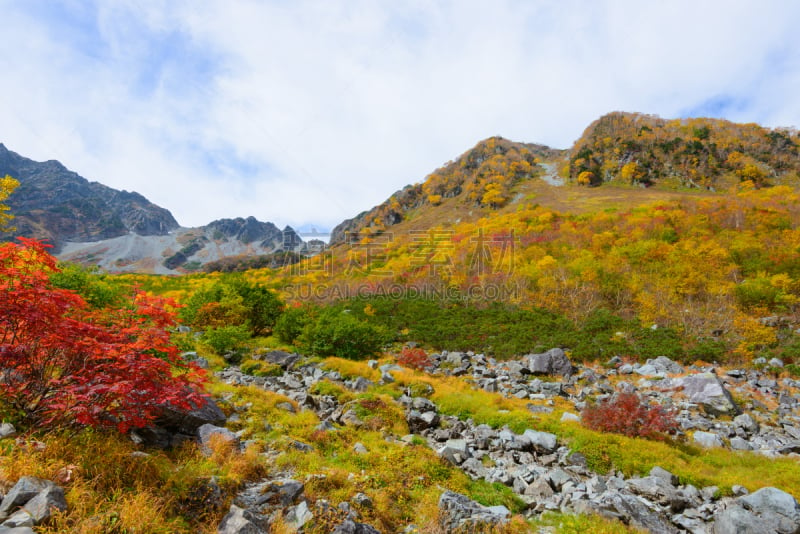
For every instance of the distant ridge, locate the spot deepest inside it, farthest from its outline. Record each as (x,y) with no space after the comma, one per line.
(122,231)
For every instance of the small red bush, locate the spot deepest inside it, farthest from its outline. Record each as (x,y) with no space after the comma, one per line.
(626,414)
(414,358)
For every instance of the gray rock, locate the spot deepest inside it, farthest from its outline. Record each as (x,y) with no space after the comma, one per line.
(665,475)
(7,430)
(460,512)
(240,521)
(746,422)
(362,500)
(766,511)
(23,491)
(278,357)
(359,448)
(297,516)
(707,439)
(20,518)
(570,417)
(455,451)
(629,509)
(552,362)
(707,390)
(16,530)
(41,507)
(740,444)
(543,442)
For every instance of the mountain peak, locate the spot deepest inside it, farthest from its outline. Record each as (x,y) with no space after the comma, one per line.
(59,205)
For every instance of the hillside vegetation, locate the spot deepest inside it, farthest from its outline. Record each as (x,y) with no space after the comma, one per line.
(400,364)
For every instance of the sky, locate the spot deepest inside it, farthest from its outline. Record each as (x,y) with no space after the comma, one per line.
(308,112)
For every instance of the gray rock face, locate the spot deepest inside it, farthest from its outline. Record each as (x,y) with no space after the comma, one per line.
(766,511)
(460,512)
(552,362)
(707,390)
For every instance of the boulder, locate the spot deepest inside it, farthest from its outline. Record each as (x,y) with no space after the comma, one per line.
(707,439)
(278,357)
(707,390)
(240,521)
(175,425)
(460,513)
(7,430)
(41,507)
(23,491)
(543,442)
(417,422)
(552,362)
(766,511)
(455,451)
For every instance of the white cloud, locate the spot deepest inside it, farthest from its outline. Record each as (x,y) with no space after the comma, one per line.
(312,111)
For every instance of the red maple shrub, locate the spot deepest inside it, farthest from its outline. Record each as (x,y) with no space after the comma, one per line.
(62,362)
(626,414)
(414,358)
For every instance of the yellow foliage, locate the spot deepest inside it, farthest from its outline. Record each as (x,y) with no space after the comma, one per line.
(7,186)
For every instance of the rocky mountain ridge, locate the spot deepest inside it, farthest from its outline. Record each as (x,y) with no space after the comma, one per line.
(59,205)
(122,231)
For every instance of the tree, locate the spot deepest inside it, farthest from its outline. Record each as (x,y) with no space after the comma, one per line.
(234,302)
(7,186)
(63,362)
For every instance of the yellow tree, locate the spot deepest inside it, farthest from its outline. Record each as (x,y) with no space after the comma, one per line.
(7,186)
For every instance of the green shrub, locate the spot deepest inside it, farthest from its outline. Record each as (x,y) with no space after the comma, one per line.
(234,302)
(226,339)
(338,333)
(291,323)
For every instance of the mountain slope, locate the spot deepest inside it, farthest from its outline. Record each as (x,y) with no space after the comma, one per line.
(481,179)
(58,205)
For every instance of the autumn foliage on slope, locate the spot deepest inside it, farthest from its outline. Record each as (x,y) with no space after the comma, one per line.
(634,148)
(62,362)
